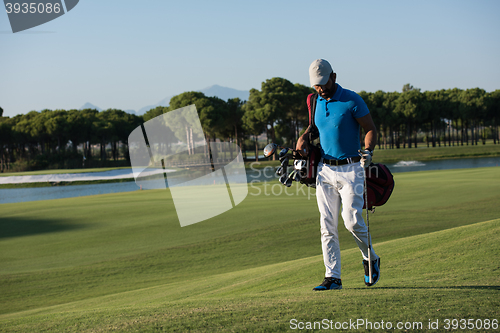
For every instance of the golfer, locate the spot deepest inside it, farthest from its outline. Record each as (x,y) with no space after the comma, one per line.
(340,180)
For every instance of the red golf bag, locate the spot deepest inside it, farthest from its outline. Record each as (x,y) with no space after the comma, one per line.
(379,184)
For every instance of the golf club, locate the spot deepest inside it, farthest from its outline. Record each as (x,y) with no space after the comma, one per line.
(299,164)
(270,149)
(280,171)
(283,152)
(284,159)
(295,175)
(369,238)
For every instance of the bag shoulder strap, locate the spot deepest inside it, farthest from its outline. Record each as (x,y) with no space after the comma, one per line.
(311,105)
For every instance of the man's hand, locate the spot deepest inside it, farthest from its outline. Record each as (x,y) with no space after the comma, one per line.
(366,157)
(302,146)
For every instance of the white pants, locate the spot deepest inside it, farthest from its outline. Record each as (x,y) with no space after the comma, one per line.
(336,185)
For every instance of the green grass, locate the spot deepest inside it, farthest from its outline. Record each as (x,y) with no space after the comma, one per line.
(446,274)
(122,261)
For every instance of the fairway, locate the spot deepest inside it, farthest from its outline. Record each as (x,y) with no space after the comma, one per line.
(122,262)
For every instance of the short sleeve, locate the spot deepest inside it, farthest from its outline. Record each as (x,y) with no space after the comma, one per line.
(359,109)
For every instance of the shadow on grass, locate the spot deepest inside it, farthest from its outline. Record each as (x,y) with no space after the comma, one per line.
(433,287)
(18,227)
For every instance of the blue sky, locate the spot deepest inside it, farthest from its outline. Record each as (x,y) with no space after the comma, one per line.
(128,54)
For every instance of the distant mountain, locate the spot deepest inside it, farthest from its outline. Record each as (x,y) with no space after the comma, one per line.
(145,109)
(223,93)
(90,106)
(165,101)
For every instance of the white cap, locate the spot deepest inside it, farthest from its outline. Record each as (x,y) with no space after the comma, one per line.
(319,72)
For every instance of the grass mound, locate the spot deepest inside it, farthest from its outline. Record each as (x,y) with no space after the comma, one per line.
(430,277)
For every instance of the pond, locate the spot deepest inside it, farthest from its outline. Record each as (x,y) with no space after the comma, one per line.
(70,191)
(407,166)
(12,195)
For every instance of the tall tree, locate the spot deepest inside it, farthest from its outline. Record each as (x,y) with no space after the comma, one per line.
(103,131)
(56,125)
(116,120)
(89,118)
(438,109)
(493,113)
(155,112)
(473,106)
(276,98)
(454,109)
(408,105)
(234,119)
(252,123)
(5,142)
(375,103)
(126,124)
(392,118)
(76,128)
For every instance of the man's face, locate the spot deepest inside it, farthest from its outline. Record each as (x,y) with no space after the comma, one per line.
(327,90)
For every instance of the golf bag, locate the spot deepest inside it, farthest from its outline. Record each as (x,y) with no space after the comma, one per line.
(308,175)
(379,184)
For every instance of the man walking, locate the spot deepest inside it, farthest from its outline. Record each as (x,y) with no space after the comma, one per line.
(340,181)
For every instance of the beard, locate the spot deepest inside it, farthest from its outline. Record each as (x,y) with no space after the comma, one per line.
(328,93)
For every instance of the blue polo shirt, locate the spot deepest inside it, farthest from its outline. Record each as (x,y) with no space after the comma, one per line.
(337,125)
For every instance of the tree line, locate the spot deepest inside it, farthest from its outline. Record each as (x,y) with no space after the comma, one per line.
(442,117)
(50,138)
(65,138)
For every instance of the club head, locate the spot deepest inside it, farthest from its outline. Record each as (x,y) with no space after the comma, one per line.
(270,149)
(298,177)
(299,164)
(288,182)
(302,173)
(280,171)
(283,152)
(295,175)
(283,179)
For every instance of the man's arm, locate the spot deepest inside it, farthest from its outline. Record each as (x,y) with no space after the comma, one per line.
(371,131)
(303,142)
